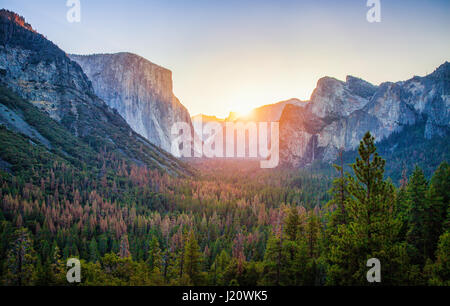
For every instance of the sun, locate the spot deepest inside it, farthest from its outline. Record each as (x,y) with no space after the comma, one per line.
(243,111)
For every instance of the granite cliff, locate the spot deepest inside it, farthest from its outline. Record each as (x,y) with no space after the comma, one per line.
(39,72)
(340,113)
(139,90)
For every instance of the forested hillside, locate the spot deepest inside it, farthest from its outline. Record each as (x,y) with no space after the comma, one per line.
(76,181)
(403,150)
(232,224)
(36,70)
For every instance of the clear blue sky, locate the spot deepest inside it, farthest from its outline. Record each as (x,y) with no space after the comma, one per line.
(237,54)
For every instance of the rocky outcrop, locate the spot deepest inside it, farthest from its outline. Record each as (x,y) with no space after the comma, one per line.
(272,112)
(39,72)
(333,99)
(139,90)
(340,113)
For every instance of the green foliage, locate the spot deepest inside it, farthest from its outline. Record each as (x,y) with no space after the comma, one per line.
(192,259)
(232,224)
(372,229)
(418,217)
(20,262)
(339,196)
(154,259)
(293,224)
(407,148)
(439,272)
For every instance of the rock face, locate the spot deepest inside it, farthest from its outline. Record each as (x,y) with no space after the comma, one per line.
(266,113)
(139,90)
(340,113)
(335,99)
(38,71)
(272,112)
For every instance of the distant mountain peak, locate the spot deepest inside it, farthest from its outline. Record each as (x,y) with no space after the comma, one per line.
(444,66)
(352,79)
(204,117)
(123,55)
(360,87)
(327,81)
(39,72)
(443,71)
(11,17)
(340,113)
(233,116)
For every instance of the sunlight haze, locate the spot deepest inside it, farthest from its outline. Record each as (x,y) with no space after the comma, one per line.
(235,55)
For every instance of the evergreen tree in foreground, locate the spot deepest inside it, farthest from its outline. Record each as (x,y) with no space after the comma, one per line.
(371,230)
(439,272)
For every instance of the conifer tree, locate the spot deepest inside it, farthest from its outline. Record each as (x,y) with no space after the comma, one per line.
(441,182)
(440,271)
(418,223)
(339,195)
(154,254)
(312,234)
(192,258)
(57,267)
(21,259)
(439,202)
(372,230)
(402,203)
(435,220)
(6,231)
(93,251)
(312,239)
(292,224)
(272,260)
(124,247)
(218,268)
(280,260)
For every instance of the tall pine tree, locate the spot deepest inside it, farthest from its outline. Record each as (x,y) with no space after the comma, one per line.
(372,230)
(21,260)
(418,219)
(192,259)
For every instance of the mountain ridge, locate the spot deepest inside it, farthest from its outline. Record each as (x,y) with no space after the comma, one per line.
(141,91)
(339,113)
(347,113)
(40,72)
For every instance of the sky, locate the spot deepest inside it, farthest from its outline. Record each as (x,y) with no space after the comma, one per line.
(235,55)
